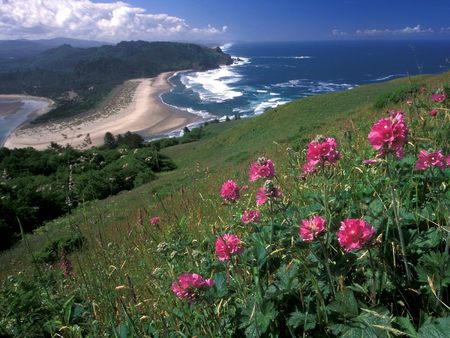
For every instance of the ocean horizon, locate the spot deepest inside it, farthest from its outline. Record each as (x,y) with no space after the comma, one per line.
(266,75)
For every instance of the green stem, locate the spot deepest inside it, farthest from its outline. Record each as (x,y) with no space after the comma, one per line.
(397,223)
(327,266)
(374,280)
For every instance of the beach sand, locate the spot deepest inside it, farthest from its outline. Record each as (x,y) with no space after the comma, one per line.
(136,108)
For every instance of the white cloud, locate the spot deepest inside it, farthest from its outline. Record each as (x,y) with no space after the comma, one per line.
(85,19)
(384,32)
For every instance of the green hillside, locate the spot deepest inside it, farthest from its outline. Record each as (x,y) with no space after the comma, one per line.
(123,272)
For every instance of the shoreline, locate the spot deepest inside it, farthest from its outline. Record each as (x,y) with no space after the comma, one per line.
(146,114)
(19,115)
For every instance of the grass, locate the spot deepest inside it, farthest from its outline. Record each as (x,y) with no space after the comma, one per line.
(224,148)
(124,271)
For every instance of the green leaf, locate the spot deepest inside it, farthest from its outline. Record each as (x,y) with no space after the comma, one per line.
(345,304)
(439,328)
(258,318)
(300,319)
(406,325)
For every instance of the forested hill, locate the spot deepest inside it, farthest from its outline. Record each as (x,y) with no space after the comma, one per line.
(92,72)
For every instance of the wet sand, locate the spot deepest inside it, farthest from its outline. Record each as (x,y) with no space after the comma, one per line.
(135,107)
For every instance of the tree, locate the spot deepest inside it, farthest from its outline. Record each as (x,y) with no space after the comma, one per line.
(109,140)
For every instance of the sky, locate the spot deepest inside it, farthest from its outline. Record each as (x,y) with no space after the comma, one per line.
(225,20)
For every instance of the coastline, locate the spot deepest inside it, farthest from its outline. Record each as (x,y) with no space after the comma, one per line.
(145,114)
(20,111)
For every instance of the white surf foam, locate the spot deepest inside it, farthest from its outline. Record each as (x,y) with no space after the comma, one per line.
(314,86)
(271,103)
(388,77)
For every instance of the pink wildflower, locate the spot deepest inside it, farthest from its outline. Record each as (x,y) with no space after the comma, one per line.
(438,97)
(430,159)
(447,160)
(354,233)
(154,221)
(250,216)
(187,285)
(371,161)
(262,168)
(389,134)
(310,228)
(228,245)
(230,191)
(433,112)
(65,265)
(322,150)
(309,167)
(266,192)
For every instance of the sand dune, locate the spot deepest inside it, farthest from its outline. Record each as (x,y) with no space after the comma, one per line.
(144,113)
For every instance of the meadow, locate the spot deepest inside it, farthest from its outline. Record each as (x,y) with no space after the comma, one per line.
(243,239)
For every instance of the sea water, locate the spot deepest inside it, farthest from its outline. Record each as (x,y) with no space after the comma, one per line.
(266,75)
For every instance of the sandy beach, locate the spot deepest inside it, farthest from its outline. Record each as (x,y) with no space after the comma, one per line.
(136,107)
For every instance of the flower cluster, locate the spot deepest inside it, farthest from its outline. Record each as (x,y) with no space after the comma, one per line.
(310,228)
(321,151)
(262,168)
(438,97)
(251,216)
(228,245)
(188,285)
(269,190)
(65,264)
(389,134)
(430,159)
(230,191)
(155,221)
(354,233)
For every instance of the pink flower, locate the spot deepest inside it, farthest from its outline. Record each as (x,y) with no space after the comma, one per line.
(187,285)
(65,265)
(322,150)
(447,160)
(228,245)
(266,192)
(209,282)
(438,97)
(354,233)
(309,167)
(310,228)
(262,168)
(230,191)
(433,112)
(154,221)
(430,159)
(389,134)
(371,161)
(251,216)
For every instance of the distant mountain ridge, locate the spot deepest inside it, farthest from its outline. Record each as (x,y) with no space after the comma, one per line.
(24,49)
(93,72)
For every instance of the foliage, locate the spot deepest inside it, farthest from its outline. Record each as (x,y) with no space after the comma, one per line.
(400,95)
(280,285)
(37,186)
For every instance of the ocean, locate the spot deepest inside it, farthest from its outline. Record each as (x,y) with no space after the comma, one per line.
(266,75)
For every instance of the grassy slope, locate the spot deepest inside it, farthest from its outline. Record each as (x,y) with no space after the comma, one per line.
(225,146)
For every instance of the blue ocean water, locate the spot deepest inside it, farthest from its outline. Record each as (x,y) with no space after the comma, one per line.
(269,74)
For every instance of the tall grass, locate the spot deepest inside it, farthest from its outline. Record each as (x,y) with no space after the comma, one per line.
(278,285)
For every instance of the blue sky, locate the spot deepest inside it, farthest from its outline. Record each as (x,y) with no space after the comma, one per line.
(225,20)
